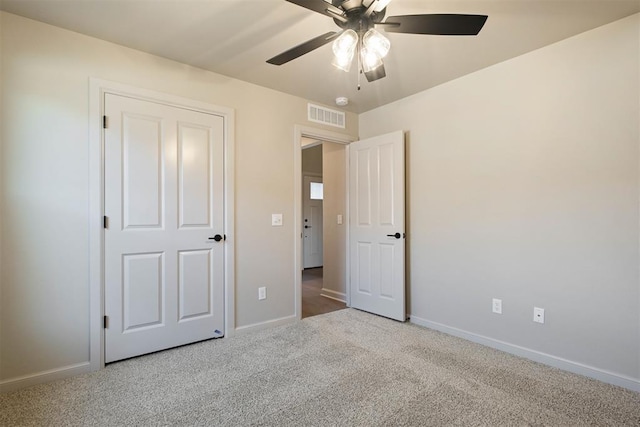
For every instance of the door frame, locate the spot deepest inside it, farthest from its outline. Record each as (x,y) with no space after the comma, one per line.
(98,88)
(299,132)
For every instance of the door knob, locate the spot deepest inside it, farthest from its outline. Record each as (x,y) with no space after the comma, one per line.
(217,238)
(397,235)
(307,226)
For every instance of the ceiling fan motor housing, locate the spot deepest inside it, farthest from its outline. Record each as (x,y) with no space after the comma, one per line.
(355,14)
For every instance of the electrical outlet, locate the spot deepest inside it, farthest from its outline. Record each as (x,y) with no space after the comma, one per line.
(339,219)
(497,306)
(262,293)
(538,315)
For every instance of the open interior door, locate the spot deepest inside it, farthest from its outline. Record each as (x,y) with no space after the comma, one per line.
(376,225)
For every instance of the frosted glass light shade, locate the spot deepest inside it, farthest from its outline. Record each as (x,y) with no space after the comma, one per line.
(344,61)
(375,41)
(344,48)
(370,59)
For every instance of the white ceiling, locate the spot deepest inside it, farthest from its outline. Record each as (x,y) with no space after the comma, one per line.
(236,37)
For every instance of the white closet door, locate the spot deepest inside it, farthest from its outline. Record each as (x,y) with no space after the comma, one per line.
(164,204)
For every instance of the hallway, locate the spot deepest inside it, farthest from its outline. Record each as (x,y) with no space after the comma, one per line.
(313,303)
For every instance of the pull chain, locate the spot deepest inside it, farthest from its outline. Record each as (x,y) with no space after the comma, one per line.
(359,62)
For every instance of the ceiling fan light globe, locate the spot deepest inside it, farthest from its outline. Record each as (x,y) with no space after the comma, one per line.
(370,59)
(345,43)
(344,48)
(343,62)
(375,41)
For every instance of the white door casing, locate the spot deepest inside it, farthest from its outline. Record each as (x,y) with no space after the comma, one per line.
(164,195)
(376,225)
(312,232)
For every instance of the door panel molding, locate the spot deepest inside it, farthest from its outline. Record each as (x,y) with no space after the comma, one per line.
(98,88)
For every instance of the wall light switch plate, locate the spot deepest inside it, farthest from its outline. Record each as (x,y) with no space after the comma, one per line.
(339,219)
(276,220)
(262,293)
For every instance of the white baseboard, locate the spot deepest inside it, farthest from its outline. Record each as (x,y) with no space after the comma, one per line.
(44,377)
(536,356)
(265,325)
(338,296)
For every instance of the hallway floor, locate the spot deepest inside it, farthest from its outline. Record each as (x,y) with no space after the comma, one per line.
(312,302)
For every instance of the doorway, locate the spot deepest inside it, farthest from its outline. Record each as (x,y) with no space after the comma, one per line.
(387,195)
(307,137)
(323,285)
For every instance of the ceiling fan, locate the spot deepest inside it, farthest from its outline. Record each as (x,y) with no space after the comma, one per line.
(359,38)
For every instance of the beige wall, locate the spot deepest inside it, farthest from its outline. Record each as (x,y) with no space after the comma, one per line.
(335,235)
(312,160)
(44,310)
(524,185)
(522,180)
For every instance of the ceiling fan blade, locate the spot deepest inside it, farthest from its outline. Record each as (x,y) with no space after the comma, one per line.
(375,74)
(303,48)
(380,4)
(319,6)
(436,24)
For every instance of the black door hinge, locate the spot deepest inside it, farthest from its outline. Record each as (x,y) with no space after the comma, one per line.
(105,322)
(104,122)
(105,221)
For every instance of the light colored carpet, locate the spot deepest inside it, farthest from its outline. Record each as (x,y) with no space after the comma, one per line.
(341,368)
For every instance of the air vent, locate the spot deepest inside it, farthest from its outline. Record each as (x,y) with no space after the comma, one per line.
(326,116)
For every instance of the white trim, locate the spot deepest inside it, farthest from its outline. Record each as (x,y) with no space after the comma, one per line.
(266,325)
(97,90)
(536,356)
(322,135)
(347,221)
(334,295)
(310,144)
(44,377)
(230,224)
(96,232)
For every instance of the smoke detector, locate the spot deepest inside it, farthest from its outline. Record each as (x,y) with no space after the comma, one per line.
(342,101)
